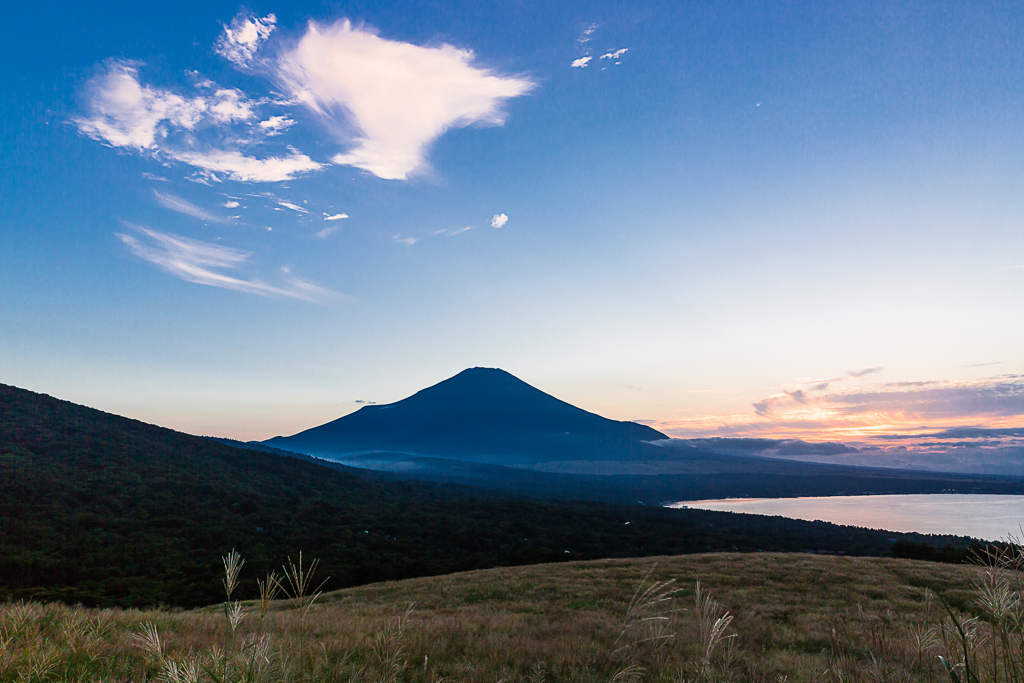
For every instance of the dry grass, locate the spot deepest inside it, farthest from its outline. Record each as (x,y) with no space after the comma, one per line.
(773,618)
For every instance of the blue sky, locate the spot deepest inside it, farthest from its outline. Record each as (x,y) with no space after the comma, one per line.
(798,219)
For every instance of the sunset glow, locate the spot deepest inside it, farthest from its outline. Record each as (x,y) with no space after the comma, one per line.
(801,225)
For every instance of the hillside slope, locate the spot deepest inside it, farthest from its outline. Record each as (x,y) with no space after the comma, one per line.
(106,510)
(795,616)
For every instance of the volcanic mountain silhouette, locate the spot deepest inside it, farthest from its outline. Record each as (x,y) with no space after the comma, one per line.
(482,414)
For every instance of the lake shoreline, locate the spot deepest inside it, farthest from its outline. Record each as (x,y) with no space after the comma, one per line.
(989,517)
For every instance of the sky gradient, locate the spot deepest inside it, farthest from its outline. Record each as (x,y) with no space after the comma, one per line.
(787,220)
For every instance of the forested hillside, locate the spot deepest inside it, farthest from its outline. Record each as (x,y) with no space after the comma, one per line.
(103,510)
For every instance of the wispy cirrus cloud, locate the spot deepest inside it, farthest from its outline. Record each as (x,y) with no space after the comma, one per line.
(326,232)
(204,263)
(180,205)
(864,372)
(387,99)
(244,168)
(292,206)
(587,32)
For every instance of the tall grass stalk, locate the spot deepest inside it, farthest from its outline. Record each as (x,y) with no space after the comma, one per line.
(649,614)
(713,620)
(300,582)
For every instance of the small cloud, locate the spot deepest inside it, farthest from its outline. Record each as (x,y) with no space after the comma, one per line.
(150,176)
(981,365)
(239,42)
(797,396)
(326,232)
(581,62)
(335,217)
(389,99)
(276,125)
(615,55)
(864,371)
(587,32)
(499,220)
(229,105)
(169,201)
(293,207)
(460,231)
(202,262)
(243,168)
(405,240)
(230,204)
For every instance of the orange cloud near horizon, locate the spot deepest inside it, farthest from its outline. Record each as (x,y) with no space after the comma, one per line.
(865,413)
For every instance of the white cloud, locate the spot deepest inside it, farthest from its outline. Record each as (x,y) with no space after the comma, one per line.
(200,262)
(241,167)
(240,41)
(499,220)
(390,99)
(326,232)
(335,217)
(125,113)
(405,240)
(276,125)
(180,205)
(581,62)
(585,36)
(293,207)
(616,54)
(230,105)
(460,231)
(230,204)
(152,176)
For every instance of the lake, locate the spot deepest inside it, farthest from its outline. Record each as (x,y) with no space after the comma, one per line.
(987,517)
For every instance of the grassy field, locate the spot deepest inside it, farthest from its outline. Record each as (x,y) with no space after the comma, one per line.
(772,617)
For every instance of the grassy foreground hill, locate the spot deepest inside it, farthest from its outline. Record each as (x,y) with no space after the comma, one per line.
(104,510)
(760,617)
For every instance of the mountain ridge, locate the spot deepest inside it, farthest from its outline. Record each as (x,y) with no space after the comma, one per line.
(100,509)
(479,412)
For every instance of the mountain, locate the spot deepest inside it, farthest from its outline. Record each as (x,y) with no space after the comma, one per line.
(480,414)
(104,510)
(486,428)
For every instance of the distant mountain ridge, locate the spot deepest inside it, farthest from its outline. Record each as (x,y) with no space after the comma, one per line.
(480,413)
(486,428)
(104,510)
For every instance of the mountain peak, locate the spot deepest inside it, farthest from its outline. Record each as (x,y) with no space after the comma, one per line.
(478,412)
